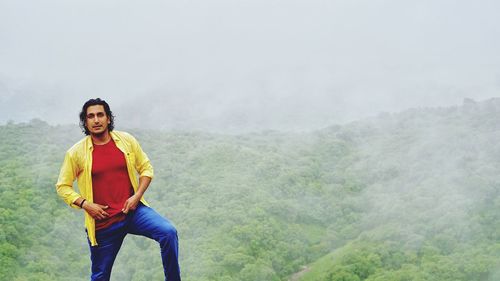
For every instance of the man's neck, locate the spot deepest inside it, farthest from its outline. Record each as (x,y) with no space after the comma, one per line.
(102,138)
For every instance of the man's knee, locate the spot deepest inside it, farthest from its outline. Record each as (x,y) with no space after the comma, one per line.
(168,233)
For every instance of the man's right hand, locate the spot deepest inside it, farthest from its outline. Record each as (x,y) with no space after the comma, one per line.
(96,211)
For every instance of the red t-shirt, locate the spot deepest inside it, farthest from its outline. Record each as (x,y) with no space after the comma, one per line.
(110,182)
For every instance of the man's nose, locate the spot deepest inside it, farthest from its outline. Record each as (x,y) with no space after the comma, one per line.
(96,119)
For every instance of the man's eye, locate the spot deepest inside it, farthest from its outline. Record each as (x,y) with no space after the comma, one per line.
(90,116)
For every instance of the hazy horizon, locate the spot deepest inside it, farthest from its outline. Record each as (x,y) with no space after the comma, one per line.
(244,66)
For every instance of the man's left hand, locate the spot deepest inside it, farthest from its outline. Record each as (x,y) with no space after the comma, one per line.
(131,203)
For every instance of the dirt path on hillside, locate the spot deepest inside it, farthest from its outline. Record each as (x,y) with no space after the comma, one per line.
(296,276)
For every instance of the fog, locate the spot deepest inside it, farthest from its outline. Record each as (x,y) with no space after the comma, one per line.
(244,65)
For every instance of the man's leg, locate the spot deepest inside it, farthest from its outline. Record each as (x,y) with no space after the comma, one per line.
(109,241)
(147,222)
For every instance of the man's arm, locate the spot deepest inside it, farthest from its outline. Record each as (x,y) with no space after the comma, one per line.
(64,187)
(67,176)
(133,201)
(142,163)
(145,169)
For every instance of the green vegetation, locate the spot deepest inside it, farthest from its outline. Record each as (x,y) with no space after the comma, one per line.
(409,196)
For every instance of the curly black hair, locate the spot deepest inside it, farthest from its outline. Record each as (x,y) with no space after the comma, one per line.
(83,114)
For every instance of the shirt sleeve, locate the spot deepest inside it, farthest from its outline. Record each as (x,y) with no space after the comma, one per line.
(142,162)
(64,185)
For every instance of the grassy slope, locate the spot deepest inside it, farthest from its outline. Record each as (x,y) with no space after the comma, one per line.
(433,190)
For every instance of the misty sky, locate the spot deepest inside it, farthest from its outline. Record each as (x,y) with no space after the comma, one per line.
(244,65)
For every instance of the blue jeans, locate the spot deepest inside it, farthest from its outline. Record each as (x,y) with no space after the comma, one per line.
(143,221)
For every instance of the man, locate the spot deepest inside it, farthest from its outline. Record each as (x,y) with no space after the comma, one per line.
(105,164)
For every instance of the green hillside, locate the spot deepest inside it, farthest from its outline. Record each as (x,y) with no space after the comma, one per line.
(408,196)
(432,195)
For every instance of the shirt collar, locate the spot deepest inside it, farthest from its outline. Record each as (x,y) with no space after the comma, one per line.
(90,145)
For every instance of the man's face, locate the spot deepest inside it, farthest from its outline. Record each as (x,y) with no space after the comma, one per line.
(97,121)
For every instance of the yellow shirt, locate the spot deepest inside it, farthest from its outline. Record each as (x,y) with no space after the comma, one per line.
(78,165)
